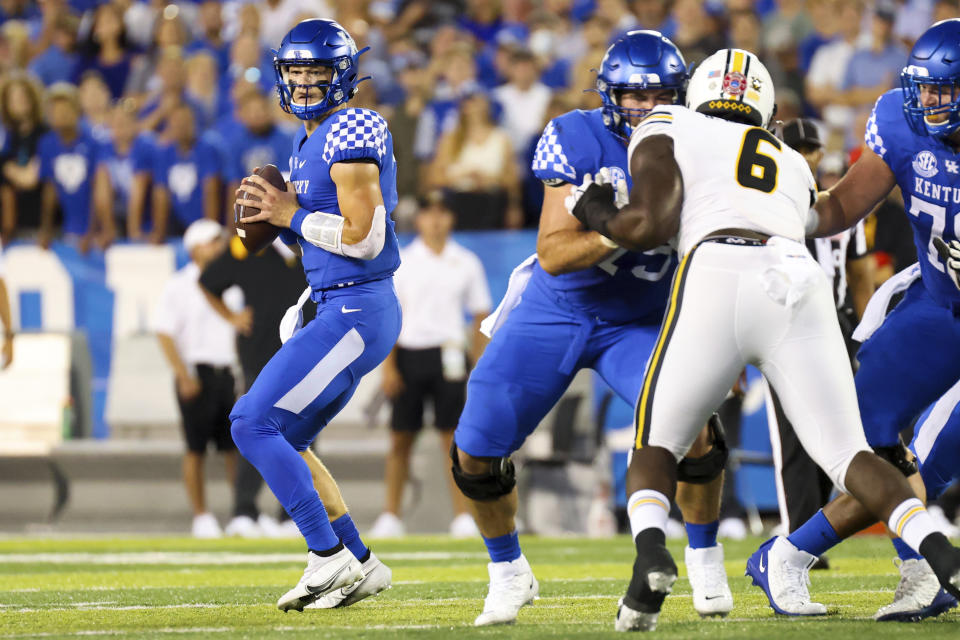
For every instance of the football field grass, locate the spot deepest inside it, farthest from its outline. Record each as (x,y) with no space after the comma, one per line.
(183,588)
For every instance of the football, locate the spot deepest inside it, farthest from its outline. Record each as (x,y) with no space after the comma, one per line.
(257,235)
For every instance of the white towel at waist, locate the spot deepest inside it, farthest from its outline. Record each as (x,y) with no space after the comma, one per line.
(518,282)
(292,320)
(876,309)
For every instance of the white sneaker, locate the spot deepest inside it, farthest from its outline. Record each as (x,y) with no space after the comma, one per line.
(916,594)
(630,620)
(206,526)
(942,522)
(708,579)
(732,528)
(322,576)
(674,530)
(377,577)
(243,527)
(463,526)
(783,572)
(387,525)
(512,586)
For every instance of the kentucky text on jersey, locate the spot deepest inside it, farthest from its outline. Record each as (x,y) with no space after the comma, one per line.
(928,173)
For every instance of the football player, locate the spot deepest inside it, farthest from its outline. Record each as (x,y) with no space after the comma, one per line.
(342,186)
(737,201)
(912,140)
(586,303)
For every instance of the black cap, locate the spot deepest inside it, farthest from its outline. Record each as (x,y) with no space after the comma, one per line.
(801,132)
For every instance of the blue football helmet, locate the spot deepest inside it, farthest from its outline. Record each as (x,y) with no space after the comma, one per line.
(639,60)
(934,60)
(323,43)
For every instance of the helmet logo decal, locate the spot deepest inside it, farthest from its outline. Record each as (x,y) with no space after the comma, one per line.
(925,164)
(734,83)
(301,54)
(644,79)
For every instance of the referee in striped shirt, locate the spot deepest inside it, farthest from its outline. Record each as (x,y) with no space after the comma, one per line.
(802,487)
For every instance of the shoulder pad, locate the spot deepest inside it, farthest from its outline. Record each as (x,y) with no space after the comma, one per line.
(886,122)
(567,149)
(355,133)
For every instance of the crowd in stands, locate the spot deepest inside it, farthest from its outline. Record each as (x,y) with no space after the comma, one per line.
(133,118)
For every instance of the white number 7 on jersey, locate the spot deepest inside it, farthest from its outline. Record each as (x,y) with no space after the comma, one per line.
(939,215)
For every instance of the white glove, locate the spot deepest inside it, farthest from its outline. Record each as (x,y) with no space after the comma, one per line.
(950,254)
(577,192)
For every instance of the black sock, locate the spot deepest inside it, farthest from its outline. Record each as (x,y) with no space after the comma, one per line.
(329,552)
(649,537)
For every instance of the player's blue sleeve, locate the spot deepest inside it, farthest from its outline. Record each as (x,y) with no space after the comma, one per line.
(356,134)
(886,125)
(566,150)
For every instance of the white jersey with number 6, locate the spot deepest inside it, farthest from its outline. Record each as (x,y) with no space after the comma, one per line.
(734,176)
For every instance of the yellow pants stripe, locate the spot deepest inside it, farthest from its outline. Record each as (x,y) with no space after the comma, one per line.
(642,414)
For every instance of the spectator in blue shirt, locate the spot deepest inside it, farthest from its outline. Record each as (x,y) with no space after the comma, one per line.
(67,162)
(123,176)
(186,176)
(257,141)
(172,73)
(211,25)
(106,49)
(57,62)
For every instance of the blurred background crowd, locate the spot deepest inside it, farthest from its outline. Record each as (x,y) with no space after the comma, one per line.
(133,118)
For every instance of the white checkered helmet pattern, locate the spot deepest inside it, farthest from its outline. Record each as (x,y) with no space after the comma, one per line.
(733,81)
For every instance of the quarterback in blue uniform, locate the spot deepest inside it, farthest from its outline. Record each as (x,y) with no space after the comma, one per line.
(586,304)
(336,208)
(913,138)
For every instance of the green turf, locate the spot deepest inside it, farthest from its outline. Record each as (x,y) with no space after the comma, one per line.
(181,588)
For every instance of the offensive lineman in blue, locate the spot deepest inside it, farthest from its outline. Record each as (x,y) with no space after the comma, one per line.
(336,208)
(587,304)
(911,361)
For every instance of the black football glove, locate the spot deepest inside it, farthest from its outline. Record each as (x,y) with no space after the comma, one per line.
(592,203)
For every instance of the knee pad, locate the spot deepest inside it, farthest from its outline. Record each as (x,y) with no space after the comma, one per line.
(499,479)
(705,468)
(898,456)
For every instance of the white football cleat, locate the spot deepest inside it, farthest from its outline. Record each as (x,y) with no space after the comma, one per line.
(387,525)
(205,526)
(918,595)
(323,575)
(631,620)
(464,526)
(708,579)
(377,577)
(783,572)
(512,586)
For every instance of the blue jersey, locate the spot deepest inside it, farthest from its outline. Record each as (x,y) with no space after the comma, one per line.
(122,167)
(247,150)
(928,173)
(627,286)
(348,134)
(71,167)
(182,173)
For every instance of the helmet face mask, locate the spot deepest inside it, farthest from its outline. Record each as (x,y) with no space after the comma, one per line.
(734,85)
(310,46)
(639,61)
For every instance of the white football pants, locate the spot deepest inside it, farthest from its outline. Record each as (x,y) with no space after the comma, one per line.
(767,305)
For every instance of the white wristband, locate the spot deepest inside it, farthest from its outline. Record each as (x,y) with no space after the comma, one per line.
(323,230)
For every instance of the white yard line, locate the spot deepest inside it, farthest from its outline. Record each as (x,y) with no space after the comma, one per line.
(207,558)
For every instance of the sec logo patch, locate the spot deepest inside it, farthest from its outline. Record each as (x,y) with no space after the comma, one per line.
(925,164)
